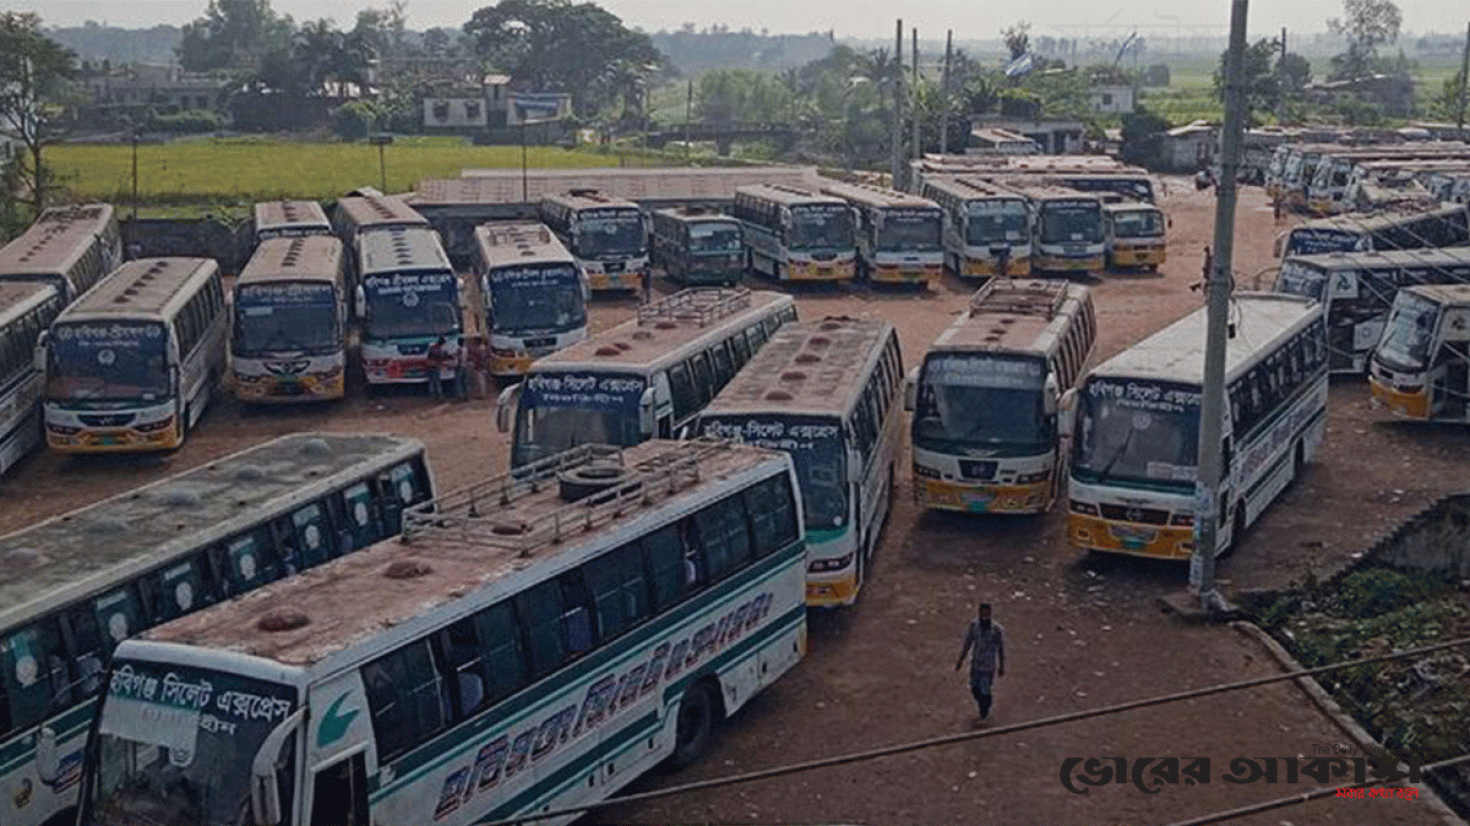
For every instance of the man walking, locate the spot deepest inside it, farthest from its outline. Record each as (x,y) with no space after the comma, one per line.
(985,637)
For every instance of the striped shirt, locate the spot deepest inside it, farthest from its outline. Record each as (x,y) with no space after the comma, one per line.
(989,648)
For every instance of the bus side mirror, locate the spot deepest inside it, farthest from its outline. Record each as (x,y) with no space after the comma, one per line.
(504,405)
(265,790)
(1277,247)
(1067,414)
(911,389)
(360,303)
(38,356)
(1049,394)
(854,467)
(647,425)
(48,762)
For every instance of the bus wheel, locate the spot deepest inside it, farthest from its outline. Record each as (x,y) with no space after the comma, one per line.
(1237,530)
(1153,267)
(695,725)
(1298,461)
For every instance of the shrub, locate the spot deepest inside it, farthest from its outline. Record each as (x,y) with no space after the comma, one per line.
(190,122)
(1373,592)
(354,121)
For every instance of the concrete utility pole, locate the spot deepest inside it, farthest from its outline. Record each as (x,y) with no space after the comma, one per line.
(896,153)
(918,150)
(944,94)
(1464,84)
(1281,82)
(1209,510)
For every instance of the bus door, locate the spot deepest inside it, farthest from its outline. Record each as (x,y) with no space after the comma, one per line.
(339,793)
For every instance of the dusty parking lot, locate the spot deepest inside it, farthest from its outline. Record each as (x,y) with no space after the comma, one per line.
(1082,631)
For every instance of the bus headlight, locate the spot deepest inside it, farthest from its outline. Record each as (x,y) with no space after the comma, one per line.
(1032,478)
(1182,520)
(1083,507)
(62,430)
(824,565)
(925,472)
(153,427)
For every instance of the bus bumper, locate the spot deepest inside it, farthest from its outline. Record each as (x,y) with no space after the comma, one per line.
(1408,404)
(630,280)
(1091,533)
(273,390)
(978,268)
(161,435)
(830,593)
(906,274)
(513,364)
(1057,263)
(1152,255)
(933,493)
(820,271)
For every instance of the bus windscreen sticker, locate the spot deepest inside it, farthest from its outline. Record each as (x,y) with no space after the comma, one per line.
(585,391)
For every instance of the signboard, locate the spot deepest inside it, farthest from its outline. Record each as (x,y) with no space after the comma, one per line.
(605,392)
(530,107)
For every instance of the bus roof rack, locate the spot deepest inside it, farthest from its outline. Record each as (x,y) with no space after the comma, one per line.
(699,306)
(1020,297)
(597,480)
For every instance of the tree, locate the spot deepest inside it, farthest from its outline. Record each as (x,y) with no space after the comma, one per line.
(384,30)
(233,34)
(1366,25)
(34,70)
(558,45)
(1018,38)
(1259,80)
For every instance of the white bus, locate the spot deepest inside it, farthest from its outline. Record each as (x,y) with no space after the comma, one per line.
(696,246)
(986,224)
(1357,291)
(408,296)
(80,583)
(290,219)
(643,379)
(533,292)
(1066,229)
(900,237)
(796,234)
(1133,232)
(71,248)
(289,342)
(1420,369)
(607,235)
(25,311)
(830,394)
(986,396)
(495,663)
(1445,225)
(131,365)
(1137,424)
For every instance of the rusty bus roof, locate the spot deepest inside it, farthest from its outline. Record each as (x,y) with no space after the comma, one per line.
(309,258)
(806,368)
(788,195)
(663,328)
(492,538)
(869,195)
(278,214)
(367,212)
(1034,191)
(72,556)
(144,285)
(22,295)
(54,242)
(508,243)
(1026,316)
(505,186)
(587,198)
(969,188)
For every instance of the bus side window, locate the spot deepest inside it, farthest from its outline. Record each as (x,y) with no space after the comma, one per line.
(87,654)
(249,561)
(33,673)
(361,516)
(663,557)
(724,535)
(576,615)
(772,515)
(405,698)
(120,615)
(179,589)
(681,382)
(402,488)
(313,534)
(503,649)
(756,336)
(619,590)
(539,610)
(723,369)
(338,527)
(463,668)
(704,388)
(741,345)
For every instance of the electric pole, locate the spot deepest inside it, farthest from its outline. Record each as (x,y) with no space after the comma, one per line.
(918,150)
(944,94)
(896,75)
(1281,82)
(1209,510)
(1464,84)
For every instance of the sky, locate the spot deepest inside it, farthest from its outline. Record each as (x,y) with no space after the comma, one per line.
(862,19)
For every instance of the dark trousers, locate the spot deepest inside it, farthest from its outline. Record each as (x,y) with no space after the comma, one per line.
(980,688)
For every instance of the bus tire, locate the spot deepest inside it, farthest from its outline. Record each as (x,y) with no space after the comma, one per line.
(694,726)
(1153,267)
(1237,530)
(1298,462)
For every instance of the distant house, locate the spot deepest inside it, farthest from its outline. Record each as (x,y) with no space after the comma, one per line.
(164,89)
(1188,148)
(1394,94)
(1003,141)
(1113,99)
(1055,136)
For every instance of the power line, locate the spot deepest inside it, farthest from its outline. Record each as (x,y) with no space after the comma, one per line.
(952,739)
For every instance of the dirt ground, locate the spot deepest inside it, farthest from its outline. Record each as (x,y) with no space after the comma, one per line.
(1082,632)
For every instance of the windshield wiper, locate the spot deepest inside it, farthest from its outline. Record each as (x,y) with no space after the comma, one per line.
(1123,448)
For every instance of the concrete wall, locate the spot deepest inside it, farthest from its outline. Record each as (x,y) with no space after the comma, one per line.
(1435,539)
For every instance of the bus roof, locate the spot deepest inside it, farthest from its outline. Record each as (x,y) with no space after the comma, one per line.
(875,196)
(401,248)
(587,199)
(661,329)
(22,295)
(508,243)
(694,215)
(1177,352)
(361,213)
(1036,191)
(1369,221)
(1457,295)
(504,186)
(271,214)
(787,195)
(310,258)
(1432,257)
(144,285)
(811,367)
(1131,206)
(456,545)
(1025,316)
(53,243)
(967,187)
(75,555)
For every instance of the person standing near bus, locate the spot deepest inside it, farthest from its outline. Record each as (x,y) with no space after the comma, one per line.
(435,360)
(986,639)
(477,362)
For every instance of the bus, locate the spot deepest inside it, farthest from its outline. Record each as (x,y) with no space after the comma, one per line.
(359,214)
(606,234)
(1137,424)
(1445,225)
(289,341)
(984,432)
(290,219)
(131,365)
(166,549)
(25,311)
(1066,227)
(409,297)
(1325,189)
(797,234)
(1420,368)
(494,663)
(1357,292)
(900,237)
(696,246)
(830,393)
(987,230)
(70,248)
(533,294)
(1133,234)
(645,378)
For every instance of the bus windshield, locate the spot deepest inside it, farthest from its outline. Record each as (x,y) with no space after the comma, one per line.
(1071,221)
(714,238)
(994,222)
(408,305)
(108,361)
(816,448)
(1409,332)
(1139,223)
(537,299)
(175,745)
(981,401)
(272,318)
(559,411)
(910,230)
(1299,279)
(609,232)
(1313,240)
(1137,430)
(817,227)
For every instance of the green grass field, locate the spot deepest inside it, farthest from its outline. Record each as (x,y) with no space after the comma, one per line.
(242,171)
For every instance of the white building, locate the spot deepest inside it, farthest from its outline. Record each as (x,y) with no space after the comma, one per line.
(1115,99)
